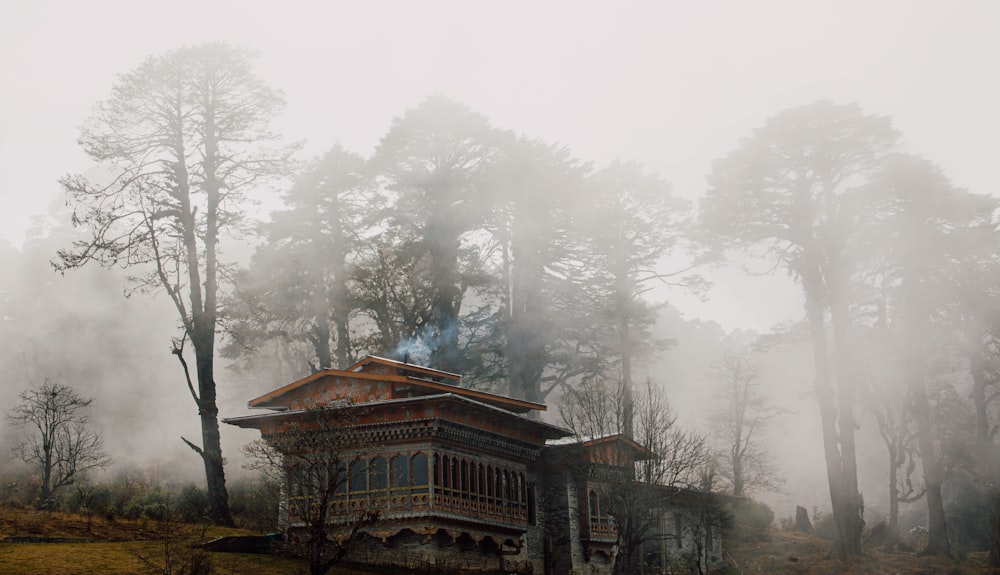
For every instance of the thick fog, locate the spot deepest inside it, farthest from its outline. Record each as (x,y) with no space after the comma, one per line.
(670,86)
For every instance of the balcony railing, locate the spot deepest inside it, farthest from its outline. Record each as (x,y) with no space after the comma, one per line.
(420,500)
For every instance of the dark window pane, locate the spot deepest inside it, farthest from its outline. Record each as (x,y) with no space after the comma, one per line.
(399,471)
(379,479)
(340,479)
(420,469)
(359,477)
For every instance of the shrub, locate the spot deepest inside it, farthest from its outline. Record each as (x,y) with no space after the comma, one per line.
(823,525)
(191,504)
(90,499)
(254,503)
(19,489)
(752,519)
(152,505)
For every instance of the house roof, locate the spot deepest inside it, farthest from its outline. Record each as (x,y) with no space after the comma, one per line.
(422,379)
(429,372)
(591,441)
(549,430)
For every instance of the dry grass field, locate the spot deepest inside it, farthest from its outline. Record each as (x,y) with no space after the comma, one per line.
(791,553)
(124,547)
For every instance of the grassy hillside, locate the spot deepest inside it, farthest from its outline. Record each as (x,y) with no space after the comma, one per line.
(792,553)
(123,547)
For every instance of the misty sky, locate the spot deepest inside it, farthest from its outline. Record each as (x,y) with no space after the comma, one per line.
(672,85)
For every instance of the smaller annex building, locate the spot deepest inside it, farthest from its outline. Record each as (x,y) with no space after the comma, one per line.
(463,480)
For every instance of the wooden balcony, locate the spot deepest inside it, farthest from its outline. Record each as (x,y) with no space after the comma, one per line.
(420,503)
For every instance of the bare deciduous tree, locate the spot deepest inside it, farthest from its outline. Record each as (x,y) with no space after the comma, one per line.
(675,464)
(885,396)
(739,423)
(57,440)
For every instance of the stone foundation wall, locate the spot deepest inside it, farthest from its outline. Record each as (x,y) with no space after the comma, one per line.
(441,555)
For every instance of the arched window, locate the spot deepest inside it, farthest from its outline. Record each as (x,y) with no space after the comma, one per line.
(506,486)
(340,479)
(473,483)
(437,470)
(482,480)
(605,511)
(489,481)
(359,477)
(399,472)
(465,478)
(418,465)
(379,479)
(456,474)
(445,472)
(594,510)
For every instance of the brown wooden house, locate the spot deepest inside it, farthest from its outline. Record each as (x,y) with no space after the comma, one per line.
(465,479)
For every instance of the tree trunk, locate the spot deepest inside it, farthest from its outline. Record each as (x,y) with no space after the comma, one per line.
(916,371)
(525,341)
(623,299)
(339,294)
(205,316)
(993,496)
(44,498)
(741,396)
(628,392)
(737,463)
(211,454)
(342,322)
(319,302)
(937,534)
(892,537)
(321,336)
(979,382)
(987,456)
(443,245)
(843,506)
(846,422)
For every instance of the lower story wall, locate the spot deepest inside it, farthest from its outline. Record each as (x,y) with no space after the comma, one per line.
(441,554)
(563,550)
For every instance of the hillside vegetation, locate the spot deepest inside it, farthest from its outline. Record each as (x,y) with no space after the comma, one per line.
(794,553)
(54,543)
(121,547)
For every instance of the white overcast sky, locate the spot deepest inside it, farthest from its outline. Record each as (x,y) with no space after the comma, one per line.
(671,84)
